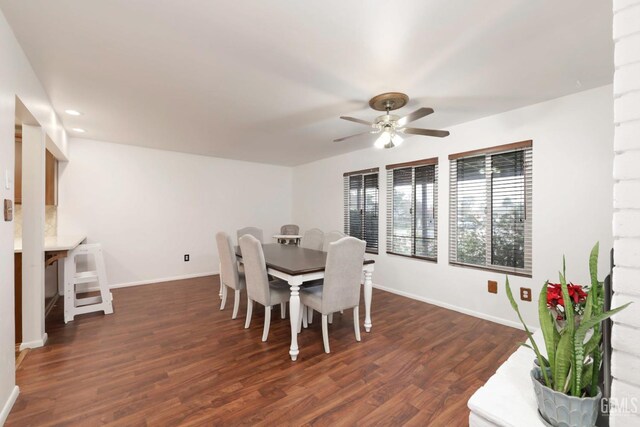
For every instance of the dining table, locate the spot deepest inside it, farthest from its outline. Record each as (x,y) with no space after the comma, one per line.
(296,265)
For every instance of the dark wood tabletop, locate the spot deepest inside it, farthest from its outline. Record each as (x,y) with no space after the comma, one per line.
(294,260)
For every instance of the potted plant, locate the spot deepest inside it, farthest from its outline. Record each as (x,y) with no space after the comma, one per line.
(566,381)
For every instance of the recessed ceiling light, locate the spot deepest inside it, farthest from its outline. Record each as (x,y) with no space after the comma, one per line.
(73,112)
(79,130)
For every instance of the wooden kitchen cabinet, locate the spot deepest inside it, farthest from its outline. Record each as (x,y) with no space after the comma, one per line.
(51,181)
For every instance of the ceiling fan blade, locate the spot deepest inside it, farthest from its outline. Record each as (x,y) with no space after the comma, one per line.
(418,114)
(426,132)
(357,134)
(353,119)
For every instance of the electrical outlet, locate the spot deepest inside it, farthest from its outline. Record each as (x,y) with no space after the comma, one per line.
(186,257)
(492,286)
(525,294)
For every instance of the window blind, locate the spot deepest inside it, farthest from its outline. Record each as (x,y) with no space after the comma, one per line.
(490,208)
(412,199)
(361,206)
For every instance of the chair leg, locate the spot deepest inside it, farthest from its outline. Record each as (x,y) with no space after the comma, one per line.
(356,322)
(325,333)
(267,323)
(236,303)
(249,313)
(305,324)
(220,278)
(283,310)
(331,318)
(300,318)
(309,315)
(224,297)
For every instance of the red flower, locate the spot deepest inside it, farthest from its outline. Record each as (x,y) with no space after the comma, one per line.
(554,294)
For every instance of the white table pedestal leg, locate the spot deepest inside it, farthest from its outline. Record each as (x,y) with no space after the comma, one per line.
(294,316)
(368,291)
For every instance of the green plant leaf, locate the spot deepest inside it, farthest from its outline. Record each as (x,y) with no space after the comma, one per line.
(548,327)
(593,265)
(587,373)
(512,300)
(563,362)
(570,327)
(579,344)
(595,375)
(593,343)
(546,361)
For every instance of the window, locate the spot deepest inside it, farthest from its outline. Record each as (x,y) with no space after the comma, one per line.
(490,208)
(412,209)
(361,206)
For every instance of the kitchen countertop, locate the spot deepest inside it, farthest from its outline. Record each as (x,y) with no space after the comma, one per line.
(54,243)
(507,398)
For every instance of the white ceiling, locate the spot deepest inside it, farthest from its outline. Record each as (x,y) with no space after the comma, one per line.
(266,80)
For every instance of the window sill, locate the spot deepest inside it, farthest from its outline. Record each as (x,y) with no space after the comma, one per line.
(421,258)
(490,269)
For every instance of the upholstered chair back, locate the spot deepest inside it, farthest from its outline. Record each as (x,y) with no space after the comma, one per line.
(253,231)
(312,239)
(330,237)
(228,264)
(255,270)
(342,274)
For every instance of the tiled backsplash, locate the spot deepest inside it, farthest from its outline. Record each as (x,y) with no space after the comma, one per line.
(50,221)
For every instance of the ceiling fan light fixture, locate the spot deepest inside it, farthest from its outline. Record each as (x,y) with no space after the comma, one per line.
(383,140)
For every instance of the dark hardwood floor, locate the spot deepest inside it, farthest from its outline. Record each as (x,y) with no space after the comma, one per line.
(169,356)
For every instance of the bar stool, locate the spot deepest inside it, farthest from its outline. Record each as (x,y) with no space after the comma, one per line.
(72,277)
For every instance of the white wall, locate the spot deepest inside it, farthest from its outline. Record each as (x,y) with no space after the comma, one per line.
(625,338)
(150,207)
(572,193)
(16,79)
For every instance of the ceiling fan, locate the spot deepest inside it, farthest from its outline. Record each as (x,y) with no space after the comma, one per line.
(389,126)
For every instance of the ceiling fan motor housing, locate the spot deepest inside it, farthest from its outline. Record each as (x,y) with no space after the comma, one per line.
(388,101)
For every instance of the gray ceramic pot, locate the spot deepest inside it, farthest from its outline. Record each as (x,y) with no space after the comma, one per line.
(561,410)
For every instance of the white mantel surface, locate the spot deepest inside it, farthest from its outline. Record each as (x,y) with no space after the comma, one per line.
(507,398)
(54,243)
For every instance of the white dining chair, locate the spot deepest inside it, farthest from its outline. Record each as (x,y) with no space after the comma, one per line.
(252,231)
(289,229)
(330,237)
(259,288)
(230,277)
(312,239)
(341,285)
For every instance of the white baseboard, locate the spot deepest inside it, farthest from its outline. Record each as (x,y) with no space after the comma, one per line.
(448,306)
(35,344)
(164,279)
(6,408)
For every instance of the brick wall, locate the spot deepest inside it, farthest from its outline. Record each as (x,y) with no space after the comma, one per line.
(626,218)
